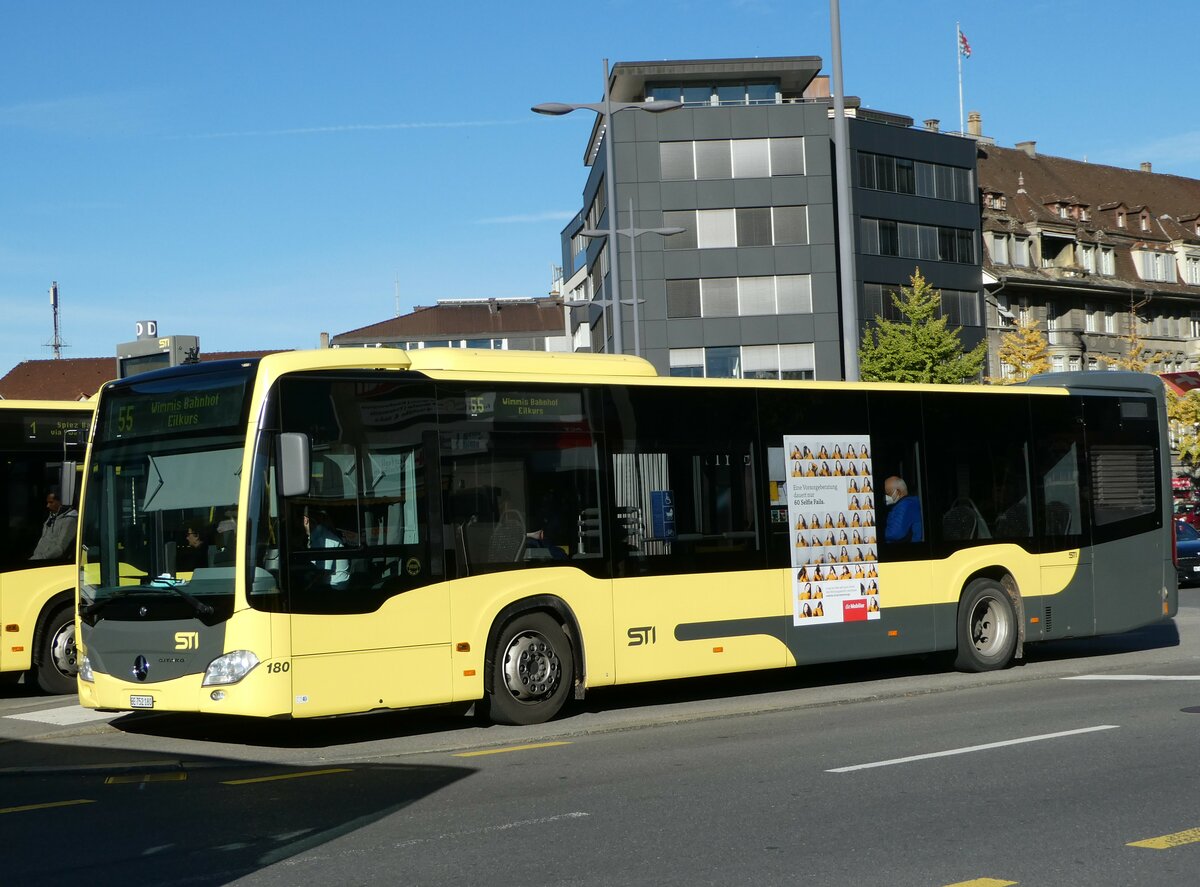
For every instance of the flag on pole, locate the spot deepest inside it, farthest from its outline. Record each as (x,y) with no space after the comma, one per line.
(963,46)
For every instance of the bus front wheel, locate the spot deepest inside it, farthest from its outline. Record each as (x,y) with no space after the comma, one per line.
(532,671)
(55,658)
(987,627)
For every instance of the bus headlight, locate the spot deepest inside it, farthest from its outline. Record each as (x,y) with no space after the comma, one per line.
(85,670)
(230,668)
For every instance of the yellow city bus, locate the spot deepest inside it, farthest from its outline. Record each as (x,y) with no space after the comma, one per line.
(320,533)
(41,448)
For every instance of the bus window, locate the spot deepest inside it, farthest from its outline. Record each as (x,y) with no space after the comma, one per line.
(360,534)
(805,412)
(981,491)
(684,481)
(1122,438)
(1058,451)
(520,478)
(897,435)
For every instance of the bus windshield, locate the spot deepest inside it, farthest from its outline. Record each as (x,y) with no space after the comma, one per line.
(161,508)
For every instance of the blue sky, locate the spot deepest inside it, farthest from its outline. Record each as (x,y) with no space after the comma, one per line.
(259,172)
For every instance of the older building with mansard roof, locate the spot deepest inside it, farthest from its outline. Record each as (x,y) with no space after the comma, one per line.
(1085,250)
(517,324)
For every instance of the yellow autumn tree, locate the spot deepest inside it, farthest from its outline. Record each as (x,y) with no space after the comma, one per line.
(1026,350)
(1183,416)
(1135,358)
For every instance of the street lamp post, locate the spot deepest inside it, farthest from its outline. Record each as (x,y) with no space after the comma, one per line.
(633,233)
(606,110)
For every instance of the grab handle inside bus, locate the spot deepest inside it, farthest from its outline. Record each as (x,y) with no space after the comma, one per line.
(294,470)
(70,468)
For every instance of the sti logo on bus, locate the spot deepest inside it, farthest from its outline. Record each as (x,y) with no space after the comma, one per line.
(643,634)
(187,640)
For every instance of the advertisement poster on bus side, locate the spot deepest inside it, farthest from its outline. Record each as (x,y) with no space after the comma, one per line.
(833,527)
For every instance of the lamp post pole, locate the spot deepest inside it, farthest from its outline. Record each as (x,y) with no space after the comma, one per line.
(614,270)
(633,233)
(606,109)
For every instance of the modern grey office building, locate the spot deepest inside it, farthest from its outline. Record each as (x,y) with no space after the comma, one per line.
(751,287)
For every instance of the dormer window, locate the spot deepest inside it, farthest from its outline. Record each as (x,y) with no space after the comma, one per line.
(1120,219)
(1145,221)
(1157,266)
(1063,212)
(1085,214)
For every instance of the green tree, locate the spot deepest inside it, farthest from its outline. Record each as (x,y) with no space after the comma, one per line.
(918,348)
(1026,350)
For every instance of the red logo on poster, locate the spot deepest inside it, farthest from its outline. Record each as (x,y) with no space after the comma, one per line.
(854,610)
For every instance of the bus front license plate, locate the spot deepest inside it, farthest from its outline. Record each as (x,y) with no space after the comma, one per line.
(141,702)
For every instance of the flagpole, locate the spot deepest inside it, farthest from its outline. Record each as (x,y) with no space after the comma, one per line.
(958,54)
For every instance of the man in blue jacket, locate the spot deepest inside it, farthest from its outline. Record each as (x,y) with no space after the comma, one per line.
(904,513)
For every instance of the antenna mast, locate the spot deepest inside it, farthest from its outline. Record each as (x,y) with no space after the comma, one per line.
(56,343)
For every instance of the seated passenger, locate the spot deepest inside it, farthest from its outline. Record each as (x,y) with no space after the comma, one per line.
(321,534)
(904,513)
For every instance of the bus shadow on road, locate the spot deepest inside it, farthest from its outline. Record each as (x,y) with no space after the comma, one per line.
(1151,637)
(345,730)
(207,821)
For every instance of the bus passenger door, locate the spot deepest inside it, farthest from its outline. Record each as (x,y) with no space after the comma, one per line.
(1066,606)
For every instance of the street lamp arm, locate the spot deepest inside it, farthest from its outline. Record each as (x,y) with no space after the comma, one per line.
(557,109)
(634,232)
(654,107)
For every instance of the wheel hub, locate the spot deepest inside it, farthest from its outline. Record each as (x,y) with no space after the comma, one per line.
(531,667)
(988,628)
(63,652)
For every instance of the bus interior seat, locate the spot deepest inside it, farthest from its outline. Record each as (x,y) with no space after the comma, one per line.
(1058,518)
(460,550)
(507,542)
(963,521)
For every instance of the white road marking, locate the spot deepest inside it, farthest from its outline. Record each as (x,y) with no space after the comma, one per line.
(1134,677)
(65,716)
(972,748)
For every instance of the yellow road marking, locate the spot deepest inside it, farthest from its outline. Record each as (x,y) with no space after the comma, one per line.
(500,751)
(286,776)
(1166,842)
(984,882)
(45,806)
(175,776)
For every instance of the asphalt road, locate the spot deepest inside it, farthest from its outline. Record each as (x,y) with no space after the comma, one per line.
(1075,767)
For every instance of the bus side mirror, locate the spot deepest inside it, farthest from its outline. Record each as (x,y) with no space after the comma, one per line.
(294,470)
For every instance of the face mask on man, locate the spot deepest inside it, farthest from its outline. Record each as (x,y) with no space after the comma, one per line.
(891,499)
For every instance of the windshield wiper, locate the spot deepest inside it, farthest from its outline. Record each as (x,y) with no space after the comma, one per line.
(173,585)
(97,605)
(201,608)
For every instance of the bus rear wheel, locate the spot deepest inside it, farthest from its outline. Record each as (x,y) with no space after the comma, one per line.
(532,671)
(55,657)
(987,627)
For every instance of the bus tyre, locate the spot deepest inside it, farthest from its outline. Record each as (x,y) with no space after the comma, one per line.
(532,671)
(55,658)
(987,627)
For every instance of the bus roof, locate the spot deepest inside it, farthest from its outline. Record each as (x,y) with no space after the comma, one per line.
(546,366)
(88,405)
